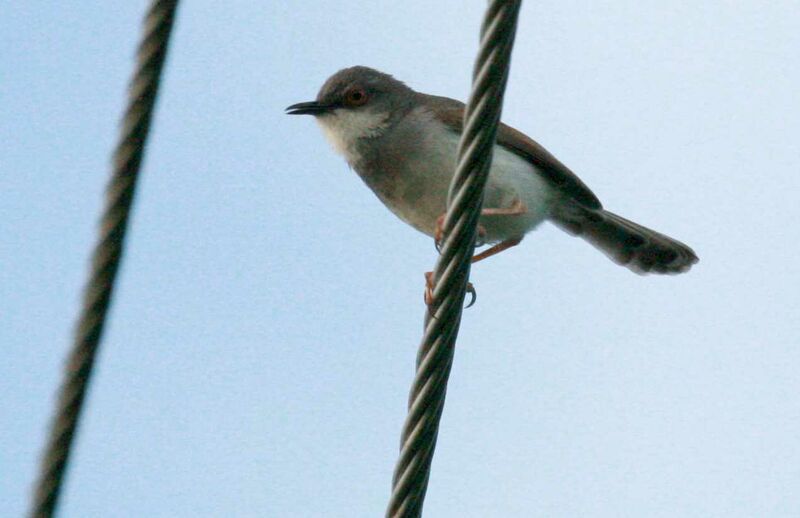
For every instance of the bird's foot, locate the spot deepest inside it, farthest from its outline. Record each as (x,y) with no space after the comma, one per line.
(438,234)
(429,291)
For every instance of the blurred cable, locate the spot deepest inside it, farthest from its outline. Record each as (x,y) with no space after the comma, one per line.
(107,254)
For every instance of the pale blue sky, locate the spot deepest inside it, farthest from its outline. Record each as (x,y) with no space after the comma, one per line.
(262,340)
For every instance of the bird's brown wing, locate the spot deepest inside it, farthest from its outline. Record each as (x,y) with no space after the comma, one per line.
(451,113)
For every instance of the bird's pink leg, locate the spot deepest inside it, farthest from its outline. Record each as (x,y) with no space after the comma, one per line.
(517,208)
(496,249)
(438,233)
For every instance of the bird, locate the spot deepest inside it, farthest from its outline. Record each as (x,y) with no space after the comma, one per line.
(404,146)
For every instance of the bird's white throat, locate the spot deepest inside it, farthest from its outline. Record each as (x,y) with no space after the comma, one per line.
(343,128)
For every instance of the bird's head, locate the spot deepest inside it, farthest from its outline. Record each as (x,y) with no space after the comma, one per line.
(356,103)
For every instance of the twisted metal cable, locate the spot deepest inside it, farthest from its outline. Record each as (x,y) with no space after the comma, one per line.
(127,159)
(435,357)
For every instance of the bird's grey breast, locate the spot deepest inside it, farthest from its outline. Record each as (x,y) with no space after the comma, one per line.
(409,167)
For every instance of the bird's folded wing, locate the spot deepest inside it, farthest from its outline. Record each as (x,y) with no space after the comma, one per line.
(451,113)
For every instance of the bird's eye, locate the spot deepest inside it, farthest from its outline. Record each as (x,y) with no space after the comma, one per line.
(355,97)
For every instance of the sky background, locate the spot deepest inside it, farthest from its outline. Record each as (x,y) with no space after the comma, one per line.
(262,339)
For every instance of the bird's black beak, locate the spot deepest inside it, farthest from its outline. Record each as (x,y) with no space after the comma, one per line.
(309,108)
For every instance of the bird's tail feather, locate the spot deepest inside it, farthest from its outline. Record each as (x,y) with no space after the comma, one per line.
(640,249)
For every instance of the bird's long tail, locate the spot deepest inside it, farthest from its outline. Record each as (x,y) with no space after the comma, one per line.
(640,249)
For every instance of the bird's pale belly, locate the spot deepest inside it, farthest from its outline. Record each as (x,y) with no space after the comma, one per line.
(417,193)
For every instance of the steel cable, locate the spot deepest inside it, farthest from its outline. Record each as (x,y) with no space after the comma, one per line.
(126,161)
(435,356)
